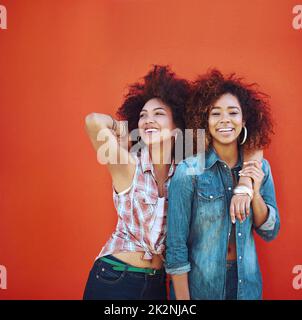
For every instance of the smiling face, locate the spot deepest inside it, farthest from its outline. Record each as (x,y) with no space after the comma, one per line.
(225,120)
(155,122)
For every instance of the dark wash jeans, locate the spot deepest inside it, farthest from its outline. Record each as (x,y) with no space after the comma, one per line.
(231,281)
(104,283)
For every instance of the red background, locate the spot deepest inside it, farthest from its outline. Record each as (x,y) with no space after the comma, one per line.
(60,60)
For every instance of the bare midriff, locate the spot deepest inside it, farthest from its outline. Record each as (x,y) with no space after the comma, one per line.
(232,255)
(136,259)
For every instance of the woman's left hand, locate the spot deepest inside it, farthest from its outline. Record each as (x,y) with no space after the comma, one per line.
(253,170)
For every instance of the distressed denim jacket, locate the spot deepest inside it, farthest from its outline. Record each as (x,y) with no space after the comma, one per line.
(199,227)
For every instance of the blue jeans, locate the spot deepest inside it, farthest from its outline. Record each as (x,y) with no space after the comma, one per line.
(104,283)
(231,282)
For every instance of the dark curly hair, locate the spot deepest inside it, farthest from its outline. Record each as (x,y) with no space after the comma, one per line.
(159,83)
(255,107)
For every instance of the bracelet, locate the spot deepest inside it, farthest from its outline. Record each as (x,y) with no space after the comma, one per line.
(114,125)
(124,129)
(244,190)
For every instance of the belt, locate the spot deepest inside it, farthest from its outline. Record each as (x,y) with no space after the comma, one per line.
(118,266)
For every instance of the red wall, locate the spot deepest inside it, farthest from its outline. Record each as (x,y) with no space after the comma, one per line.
(60,60)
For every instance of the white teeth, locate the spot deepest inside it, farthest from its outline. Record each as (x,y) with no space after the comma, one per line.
(225,130)
(151,130)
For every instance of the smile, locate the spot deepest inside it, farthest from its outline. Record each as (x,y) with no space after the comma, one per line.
(150,130)
(225,129)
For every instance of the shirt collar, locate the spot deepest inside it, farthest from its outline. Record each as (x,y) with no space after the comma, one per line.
(212,157)
(147,164)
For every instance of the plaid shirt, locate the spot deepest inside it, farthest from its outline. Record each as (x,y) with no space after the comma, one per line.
(140,226)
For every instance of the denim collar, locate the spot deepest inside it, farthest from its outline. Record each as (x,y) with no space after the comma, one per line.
(211,157)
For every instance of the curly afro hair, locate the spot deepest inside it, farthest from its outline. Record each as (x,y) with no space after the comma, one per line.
(255,107)
(159,83)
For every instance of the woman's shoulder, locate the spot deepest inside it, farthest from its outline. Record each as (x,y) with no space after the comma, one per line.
(266,168)
(189,166)
(265,165)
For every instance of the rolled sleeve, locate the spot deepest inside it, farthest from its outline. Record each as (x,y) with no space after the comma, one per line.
(178,269)
(270,228)
(270,222)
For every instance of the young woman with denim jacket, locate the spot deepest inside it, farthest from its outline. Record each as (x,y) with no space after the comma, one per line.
(211,252)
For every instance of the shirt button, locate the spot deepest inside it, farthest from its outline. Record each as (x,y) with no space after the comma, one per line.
(229,188)
(240,281)
(225,166)
(211,197)
(229,234)
(239,234)
(240,257)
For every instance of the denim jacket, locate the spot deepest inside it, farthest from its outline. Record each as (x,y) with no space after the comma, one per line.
(199,227)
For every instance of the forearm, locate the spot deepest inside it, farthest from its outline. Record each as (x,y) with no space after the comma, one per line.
(260,210)
(181,286)
(250,156)
(97,121)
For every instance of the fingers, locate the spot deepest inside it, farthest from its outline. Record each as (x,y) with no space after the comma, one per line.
(247,205)
(255,163)
(232,211)
(252,172)
(251,168)
(240,207)
(256,177)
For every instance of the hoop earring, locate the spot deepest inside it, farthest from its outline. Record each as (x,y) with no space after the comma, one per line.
(245,135)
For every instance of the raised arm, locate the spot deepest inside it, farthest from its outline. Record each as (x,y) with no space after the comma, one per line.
(109,139)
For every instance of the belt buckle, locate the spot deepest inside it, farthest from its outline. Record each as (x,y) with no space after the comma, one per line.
(153,272)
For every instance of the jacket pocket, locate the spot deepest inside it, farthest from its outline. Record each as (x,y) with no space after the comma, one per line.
(211,204)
